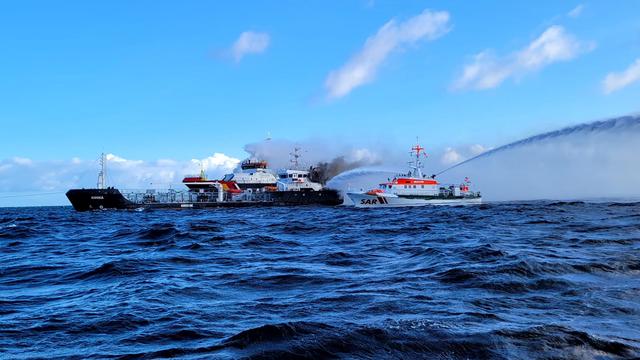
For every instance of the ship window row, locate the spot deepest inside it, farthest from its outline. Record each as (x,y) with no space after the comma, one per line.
(405,186)
(284,176)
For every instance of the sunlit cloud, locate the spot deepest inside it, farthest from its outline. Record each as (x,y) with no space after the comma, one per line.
(452,155)
(488,71)
(392,36)
(576,11)
(250,42)
(616,81)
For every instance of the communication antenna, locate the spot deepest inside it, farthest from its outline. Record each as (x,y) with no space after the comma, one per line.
(102,175)
(419,151)
(294,157)
(203,176)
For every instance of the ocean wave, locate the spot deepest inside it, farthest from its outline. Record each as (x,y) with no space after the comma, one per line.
(172,335)
(408,339)
(17,231)
(118,269)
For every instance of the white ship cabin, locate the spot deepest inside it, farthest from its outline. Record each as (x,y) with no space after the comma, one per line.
(411,186)
(253,173)
(254,176)
(296,180)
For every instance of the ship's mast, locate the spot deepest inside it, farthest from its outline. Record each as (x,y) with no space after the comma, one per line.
(416,165)
(102,175)
(203,176)
(294,158)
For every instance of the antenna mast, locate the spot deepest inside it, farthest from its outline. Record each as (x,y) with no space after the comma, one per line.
(417,165)
(102,175)
(203,176)
(294,157)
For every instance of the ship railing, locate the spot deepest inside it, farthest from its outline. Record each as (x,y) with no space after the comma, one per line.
(169,196)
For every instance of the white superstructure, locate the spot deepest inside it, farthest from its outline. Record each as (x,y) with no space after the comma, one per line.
(296,180)
(253,175)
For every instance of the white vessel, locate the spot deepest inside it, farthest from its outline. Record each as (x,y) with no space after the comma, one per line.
(415,189)
(296,180)
(254,174)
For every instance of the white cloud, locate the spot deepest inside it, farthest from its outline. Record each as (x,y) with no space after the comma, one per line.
(363,66)
(250,42)
(20,175)
(217,161)
(478,149)
(487,71)
(363,155)
(122,161)
(454,155)
(450,156)
(22,161)
(576,11)
(616,81)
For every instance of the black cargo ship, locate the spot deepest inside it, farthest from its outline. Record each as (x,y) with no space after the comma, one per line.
(111,198)
(294,187)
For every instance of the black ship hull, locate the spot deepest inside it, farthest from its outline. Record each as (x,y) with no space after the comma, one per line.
(329,197)
(111,198)
(96,199)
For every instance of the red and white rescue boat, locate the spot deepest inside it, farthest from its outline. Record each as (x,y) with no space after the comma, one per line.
(415,189)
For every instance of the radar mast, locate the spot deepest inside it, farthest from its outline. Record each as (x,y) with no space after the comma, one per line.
(102,175)
(295,155)
(416,165)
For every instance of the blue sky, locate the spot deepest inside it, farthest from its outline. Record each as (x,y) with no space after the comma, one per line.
(161,79)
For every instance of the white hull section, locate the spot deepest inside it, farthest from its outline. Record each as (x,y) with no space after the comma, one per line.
(364,200)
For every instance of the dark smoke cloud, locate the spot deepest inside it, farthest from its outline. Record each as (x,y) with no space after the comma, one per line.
(322,172)
(325,159)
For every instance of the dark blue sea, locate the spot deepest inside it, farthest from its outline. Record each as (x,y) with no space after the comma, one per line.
(497,281)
